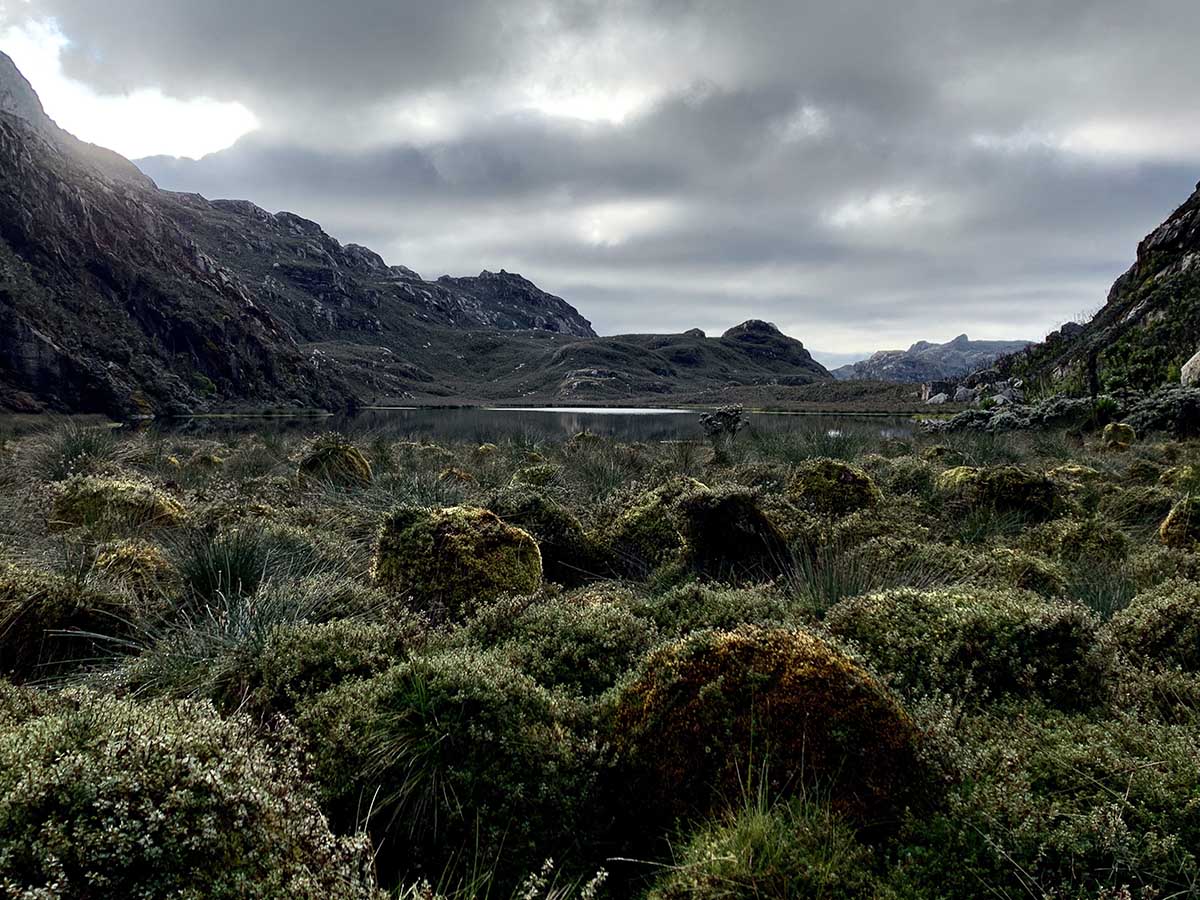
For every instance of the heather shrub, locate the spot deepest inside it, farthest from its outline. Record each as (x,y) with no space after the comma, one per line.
(107,797)
(696,606)
(830,487)
(113,506)
(706,709)
(978,643)
(1162,626)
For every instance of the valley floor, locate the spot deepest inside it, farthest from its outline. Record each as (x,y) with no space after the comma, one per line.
(777,665)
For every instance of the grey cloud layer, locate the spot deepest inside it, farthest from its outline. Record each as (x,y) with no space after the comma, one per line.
(860,172)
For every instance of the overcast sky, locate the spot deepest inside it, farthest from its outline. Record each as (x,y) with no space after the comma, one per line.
(864,173)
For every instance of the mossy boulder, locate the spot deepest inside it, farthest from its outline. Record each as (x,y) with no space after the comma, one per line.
(1118,436)
(335,461)
(114,798)
(49,624)
(449,560)
(140,565)
(1162,626)
(1009,489)
(978,642)
(831,487)
(703,712)
(113,505)
(569,556)
(1181,527)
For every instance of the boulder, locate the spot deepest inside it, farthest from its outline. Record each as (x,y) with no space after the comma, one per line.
(1190,374)
(963,394)
(938,399)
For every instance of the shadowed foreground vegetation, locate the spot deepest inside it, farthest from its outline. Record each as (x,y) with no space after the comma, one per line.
(813,664)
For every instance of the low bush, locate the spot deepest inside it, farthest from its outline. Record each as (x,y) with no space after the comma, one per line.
(113,506)
(833,488)
(1181,527)
(1162,626)
(569,556)
(334,461)
(1001,489)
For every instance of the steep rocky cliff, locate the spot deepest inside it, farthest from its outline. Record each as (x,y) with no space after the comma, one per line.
(1147,330)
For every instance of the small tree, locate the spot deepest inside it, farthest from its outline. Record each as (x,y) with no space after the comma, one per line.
(721,427)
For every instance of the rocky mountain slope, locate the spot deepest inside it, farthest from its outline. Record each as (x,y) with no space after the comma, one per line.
(925,361)
(1147,330)
(121,298)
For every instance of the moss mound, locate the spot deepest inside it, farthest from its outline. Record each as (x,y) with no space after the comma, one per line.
(140,565)
(727,535)
(981,642)
(1118,436)
(49,624)
(1162,626)
(1092,540)
(704,710)
(1011,568)
(335,461)
(1181,527)
(539,475)
(569,557)
(646,535)
(113,505)
(1002,488)
(111,798)
(450,559)
(833,488)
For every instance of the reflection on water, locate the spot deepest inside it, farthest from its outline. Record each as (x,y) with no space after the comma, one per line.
(483,425)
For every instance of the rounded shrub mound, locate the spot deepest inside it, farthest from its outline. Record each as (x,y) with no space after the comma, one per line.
(979,639)
(333,460)
(646,535)
(538,475)
(1181,527)
(1162,626)
(112,798)
(833,488)
(462,756)
(113,505)
(450,559)
(1002,488)
(1091,540)
(582,642)
(705,711)
(1118,436)
(1010,568)
(140,565)
(49,623)
(727,535)
(569,557)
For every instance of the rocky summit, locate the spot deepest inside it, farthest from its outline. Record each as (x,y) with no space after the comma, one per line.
(121,298)
(925,362)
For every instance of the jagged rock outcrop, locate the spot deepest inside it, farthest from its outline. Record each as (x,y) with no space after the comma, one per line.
(1148,329)
(927,362)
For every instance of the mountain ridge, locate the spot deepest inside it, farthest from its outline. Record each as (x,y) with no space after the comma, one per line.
(926,361)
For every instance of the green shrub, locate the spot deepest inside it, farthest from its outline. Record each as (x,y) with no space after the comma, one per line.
(539,475)
(646,535)
(704,710)
(727,536)
(451,559)
(1118,436)
(1162,626)
(1000,489)
(1019,569)
(1135,507)
(977,642)
(581,642)
(113,506)
(113,798)
(458,755)
(334,461)
(1080,541)
(569,557)
(830,487)
(788,849)
(692,607)
(1181,527)
(49,624)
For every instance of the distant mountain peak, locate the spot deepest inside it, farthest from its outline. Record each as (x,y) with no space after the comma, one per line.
(926,361)
(17,96)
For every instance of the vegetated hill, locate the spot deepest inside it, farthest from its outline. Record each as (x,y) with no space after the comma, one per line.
(121,298)
(925,361)
(1148,328)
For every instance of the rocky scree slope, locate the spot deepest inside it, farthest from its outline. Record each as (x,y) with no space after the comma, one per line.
(1148,329)
(925,361)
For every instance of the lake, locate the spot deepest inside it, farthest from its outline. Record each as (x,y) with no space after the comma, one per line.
(480,424)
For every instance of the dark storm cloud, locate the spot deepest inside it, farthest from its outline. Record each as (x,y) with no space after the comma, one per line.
(859,172)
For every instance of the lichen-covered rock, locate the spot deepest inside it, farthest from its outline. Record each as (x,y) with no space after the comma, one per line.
(1118,436)
(140,565)
(1181,527)
(1002,488)
(833,488)
(569,556)
(984,640)
(1162,626)
(113,505)
(451,559)
(705,711)
(335,461)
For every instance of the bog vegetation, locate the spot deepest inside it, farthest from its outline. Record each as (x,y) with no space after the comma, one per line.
(813,664)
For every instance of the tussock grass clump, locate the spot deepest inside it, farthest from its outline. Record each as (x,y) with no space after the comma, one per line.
(139,565)
(107,797)
(1181,527)
(704,709)
(73,448)
(332,460)
(978,643)
(448,560)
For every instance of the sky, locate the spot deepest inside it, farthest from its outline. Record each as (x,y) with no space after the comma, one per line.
(864,174)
